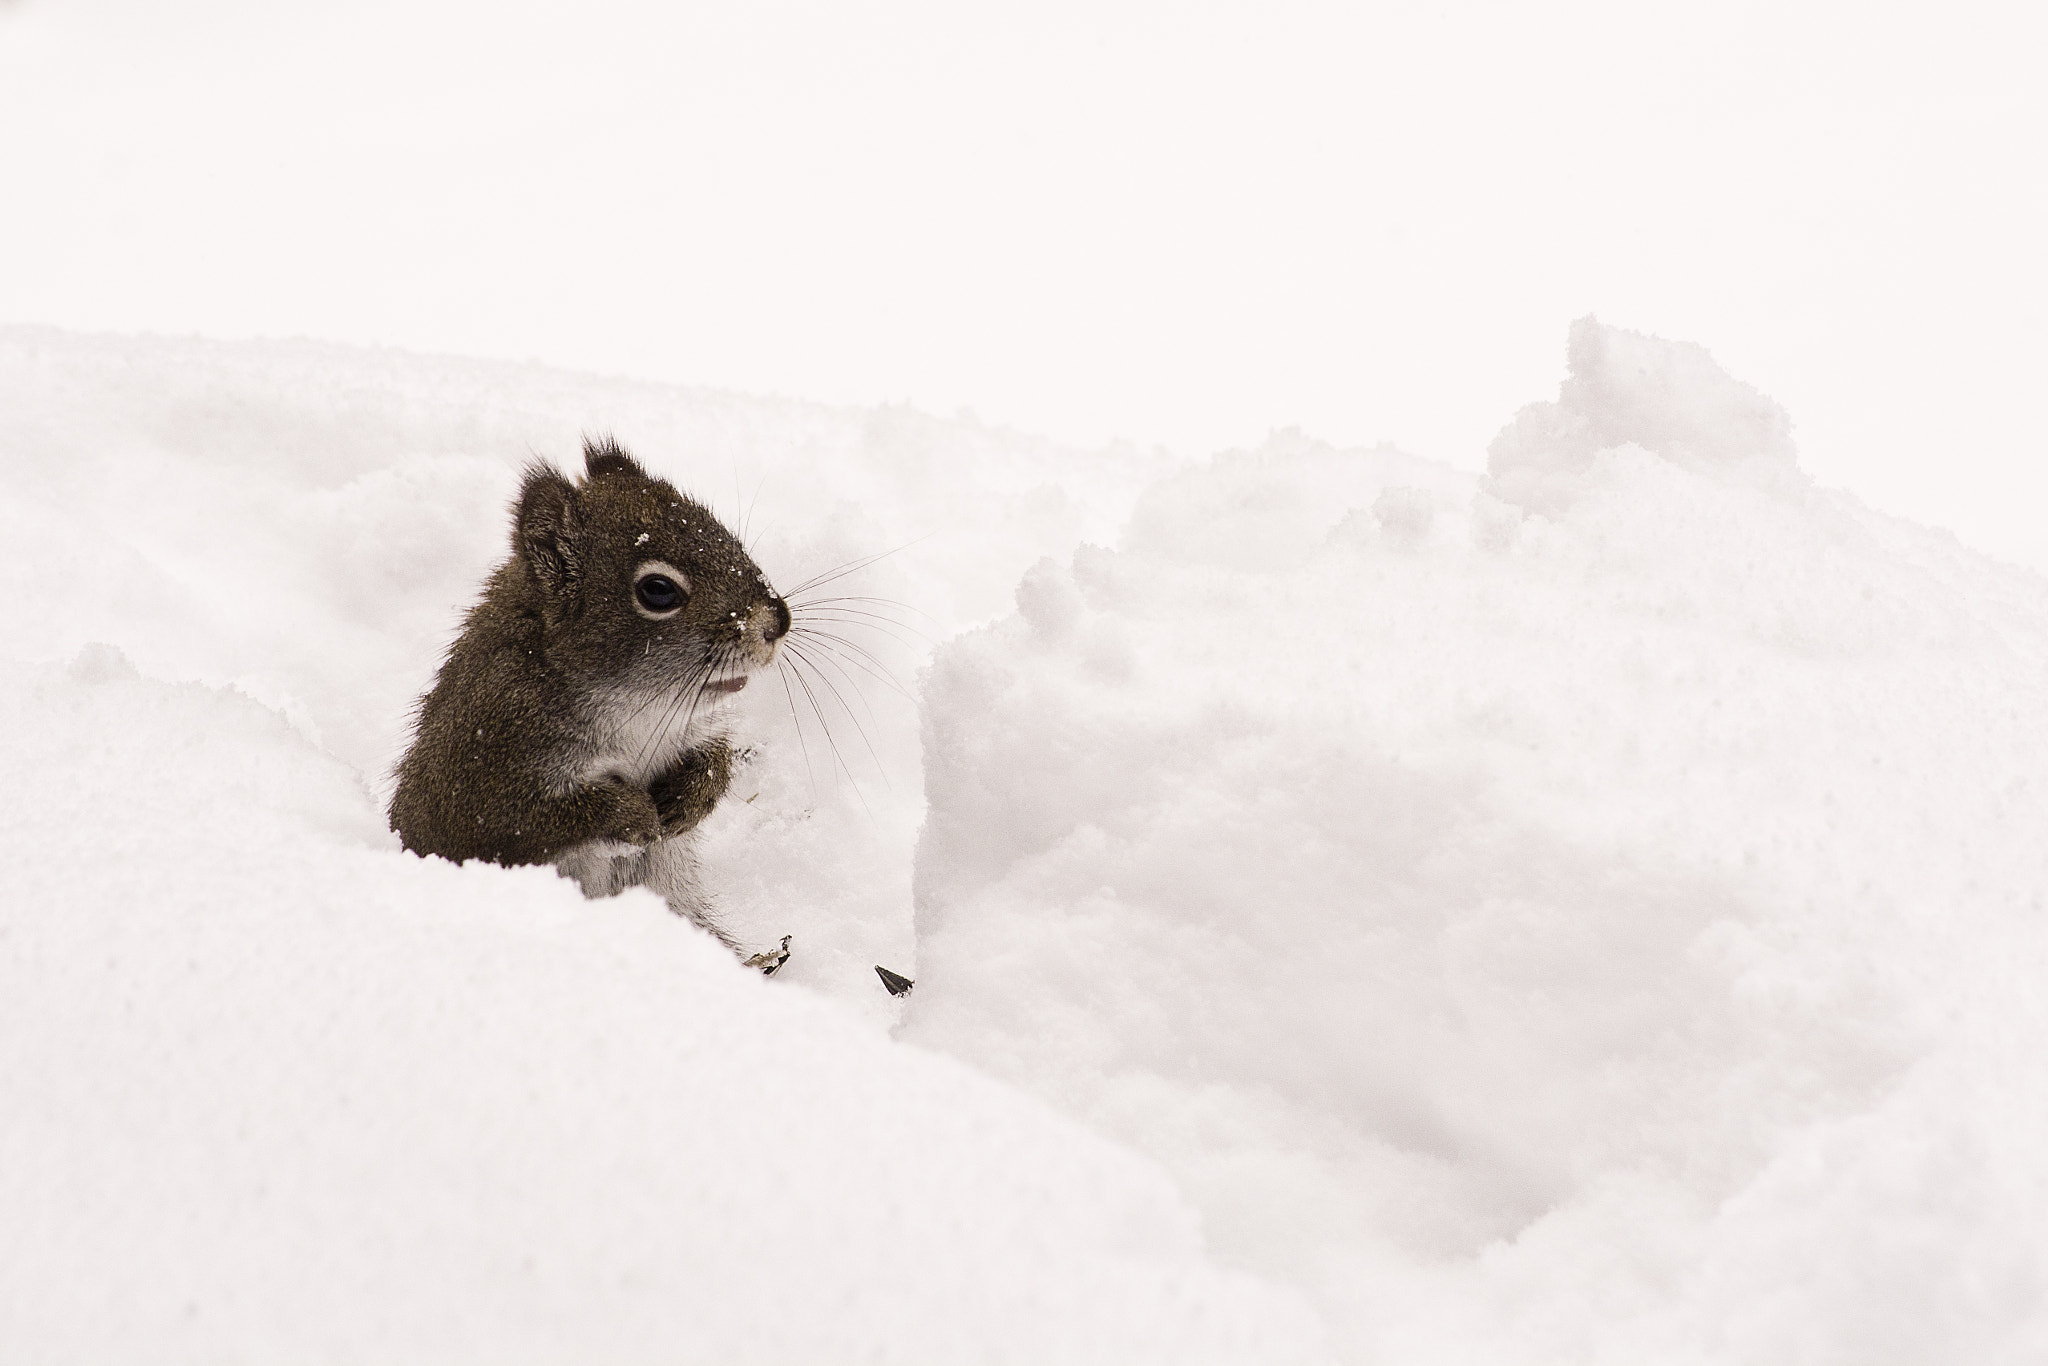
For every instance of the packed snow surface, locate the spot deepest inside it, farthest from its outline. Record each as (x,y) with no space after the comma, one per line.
(1596,910)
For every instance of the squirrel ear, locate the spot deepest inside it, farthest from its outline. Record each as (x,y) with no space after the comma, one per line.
(544,533)
(604,455)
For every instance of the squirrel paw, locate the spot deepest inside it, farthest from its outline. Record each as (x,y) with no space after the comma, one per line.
(629,813)
(686,793)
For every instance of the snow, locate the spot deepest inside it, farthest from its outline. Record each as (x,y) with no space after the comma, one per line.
(1610,932)
(1592,910)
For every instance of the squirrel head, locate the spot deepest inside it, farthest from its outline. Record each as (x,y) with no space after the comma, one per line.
(637,584)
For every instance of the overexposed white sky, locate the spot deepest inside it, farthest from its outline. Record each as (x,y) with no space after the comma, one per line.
(1172,223)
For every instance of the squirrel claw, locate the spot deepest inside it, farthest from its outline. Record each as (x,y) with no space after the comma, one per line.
(768,960)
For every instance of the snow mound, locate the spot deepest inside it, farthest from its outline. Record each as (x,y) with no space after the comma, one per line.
(307,523)
(1626,388)
(271,1088)
(1611,935)
(1589,911)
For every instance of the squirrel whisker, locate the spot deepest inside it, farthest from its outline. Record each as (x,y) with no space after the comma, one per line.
(796,671)
(856,654)
(910,637)
(826,681)
(850,566)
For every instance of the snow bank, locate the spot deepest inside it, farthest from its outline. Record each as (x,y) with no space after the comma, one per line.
(1591,911)
(275,1090)
(272,1088)
(1595,911)
(308,522)
(1626,388)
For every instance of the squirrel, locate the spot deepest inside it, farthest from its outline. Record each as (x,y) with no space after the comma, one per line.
(577,719)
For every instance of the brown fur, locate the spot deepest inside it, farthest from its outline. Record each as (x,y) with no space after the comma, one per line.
(567,726)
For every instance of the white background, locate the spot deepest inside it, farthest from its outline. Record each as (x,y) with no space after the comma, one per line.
(1170,223)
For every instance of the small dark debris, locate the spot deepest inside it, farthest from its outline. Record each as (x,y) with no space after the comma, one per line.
(898,984)
(770,959)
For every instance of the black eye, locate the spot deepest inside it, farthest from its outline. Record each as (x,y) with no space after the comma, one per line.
(659,593)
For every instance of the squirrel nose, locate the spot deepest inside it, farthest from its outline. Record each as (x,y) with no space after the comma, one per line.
(778,628)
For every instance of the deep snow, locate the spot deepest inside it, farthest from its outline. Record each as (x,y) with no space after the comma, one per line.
(1590,911)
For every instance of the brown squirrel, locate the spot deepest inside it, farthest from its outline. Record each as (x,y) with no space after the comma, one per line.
(576,720)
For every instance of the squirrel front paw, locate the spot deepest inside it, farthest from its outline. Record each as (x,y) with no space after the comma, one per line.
(686,793)
(627,813)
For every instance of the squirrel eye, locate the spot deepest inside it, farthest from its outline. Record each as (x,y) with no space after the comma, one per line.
(657,593)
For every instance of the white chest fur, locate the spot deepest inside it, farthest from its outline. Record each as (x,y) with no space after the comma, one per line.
(637,737)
